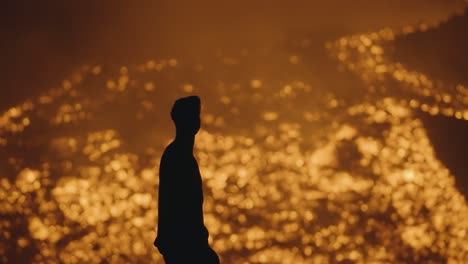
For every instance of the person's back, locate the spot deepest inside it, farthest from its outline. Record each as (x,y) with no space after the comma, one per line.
(180,198)
(182,236)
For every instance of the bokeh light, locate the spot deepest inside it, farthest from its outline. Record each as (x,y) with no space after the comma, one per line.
(293,173)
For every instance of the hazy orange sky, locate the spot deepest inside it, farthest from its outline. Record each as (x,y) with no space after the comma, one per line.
(43,41)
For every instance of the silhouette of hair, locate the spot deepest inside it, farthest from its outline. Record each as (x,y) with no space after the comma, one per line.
(184,109)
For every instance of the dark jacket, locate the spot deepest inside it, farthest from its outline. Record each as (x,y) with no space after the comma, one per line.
(180,212)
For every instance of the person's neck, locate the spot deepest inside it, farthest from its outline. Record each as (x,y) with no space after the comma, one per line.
(185,141)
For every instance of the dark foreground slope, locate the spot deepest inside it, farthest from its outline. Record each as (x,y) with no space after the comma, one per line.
(442,52)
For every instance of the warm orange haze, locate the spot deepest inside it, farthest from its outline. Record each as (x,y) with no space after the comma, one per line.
(315,146)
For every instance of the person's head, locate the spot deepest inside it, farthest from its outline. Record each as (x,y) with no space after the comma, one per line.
(186,115)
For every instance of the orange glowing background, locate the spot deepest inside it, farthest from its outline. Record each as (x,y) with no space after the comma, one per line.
(331,132)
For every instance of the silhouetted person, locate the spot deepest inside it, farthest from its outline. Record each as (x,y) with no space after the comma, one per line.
(182,236)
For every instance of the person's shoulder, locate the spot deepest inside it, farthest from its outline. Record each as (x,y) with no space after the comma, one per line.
(170,152)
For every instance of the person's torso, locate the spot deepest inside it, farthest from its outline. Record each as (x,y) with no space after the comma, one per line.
(180,197)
